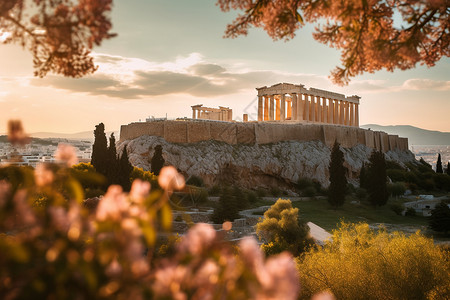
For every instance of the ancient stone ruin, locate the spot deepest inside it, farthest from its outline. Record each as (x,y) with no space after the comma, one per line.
(290,102)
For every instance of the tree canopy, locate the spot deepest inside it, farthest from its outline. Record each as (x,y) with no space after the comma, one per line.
(364,31)
(59,33)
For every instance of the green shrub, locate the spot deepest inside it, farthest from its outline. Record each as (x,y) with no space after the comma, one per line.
(410,212)
(195,181)
(396,189)
(252,197)
(396,175)
(361,194)
(304,183)
(215,190)
(309,192)
(261,192)
(275,191)
(397,208)
(366,264)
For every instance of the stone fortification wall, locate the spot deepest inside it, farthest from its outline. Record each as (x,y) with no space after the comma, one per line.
(262,133)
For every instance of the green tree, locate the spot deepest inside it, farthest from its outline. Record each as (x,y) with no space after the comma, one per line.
(338,181)
(157,161)
(439,165)
(377,179)
(448,168)
(99,157)
(440,218)
(282,229)
(228,209)
(361,263)
(113,162)
(125,169)
(363,177)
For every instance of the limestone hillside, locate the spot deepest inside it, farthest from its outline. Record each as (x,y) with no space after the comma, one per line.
(279,164)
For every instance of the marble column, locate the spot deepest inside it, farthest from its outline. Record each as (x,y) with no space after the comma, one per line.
(306,112)
(357,114)
(193,113)
(294,107)
(331,111)
(283,107)
(352,114)
(266,108)
(325,110)
(277,116)
(341,112)
(300,107)
(289,109)
(271,108)
(260,108)
(347,113)
(313,108)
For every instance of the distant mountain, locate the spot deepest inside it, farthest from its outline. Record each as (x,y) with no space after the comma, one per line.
(85,135)
(416,136)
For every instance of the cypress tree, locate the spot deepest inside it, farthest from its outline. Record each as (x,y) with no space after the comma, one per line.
(125,169)
(100,150)
(439,165)
(113,161)
(377,179)
(448,168)
(363,177)
(228,208)
(157,161)
(338,181)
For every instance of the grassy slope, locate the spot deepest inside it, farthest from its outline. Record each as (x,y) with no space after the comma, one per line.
(320,212)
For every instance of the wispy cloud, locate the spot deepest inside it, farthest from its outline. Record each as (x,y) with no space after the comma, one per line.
(135,78)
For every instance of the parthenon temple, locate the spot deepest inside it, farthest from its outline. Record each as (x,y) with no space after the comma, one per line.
(289,102)
(208,113)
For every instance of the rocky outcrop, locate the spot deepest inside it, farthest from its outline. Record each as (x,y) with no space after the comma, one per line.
(279,164)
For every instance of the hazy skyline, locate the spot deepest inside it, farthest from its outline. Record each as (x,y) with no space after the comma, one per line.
(169,55)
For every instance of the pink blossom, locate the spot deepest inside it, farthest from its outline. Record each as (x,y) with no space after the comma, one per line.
(168,281)
(5,190)
(323,296)
(139,190)
(112,205)
(169,179)
(114,269)
(43,175)
(66,154)
(198,238)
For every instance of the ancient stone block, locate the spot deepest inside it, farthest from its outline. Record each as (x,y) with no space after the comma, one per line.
(224,132)
(198,131)
(384,142)
(175,131)
(245,133)
(393,139)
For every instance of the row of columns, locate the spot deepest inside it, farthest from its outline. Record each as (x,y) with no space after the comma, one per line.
(310,108)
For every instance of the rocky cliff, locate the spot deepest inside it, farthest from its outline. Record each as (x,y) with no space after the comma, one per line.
(278,164)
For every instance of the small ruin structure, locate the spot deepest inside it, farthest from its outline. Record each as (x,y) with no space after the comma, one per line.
(208,113)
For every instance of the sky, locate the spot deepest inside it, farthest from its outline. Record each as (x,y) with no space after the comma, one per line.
(171,54)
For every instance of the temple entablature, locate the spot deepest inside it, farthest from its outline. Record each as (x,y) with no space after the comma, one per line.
(293,102)
(207,113)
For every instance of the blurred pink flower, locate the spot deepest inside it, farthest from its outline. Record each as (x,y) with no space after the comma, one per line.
(139,190)
(59,218)
(5,190)
(16,133)
(114,269)
(323,296)
(43,175)
(168,280)
(169,179)
(66,154)
(198,238)
(112,205)
(278,275)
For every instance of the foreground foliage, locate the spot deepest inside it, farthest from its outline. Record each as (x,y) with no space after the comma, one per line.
(364,31)
(53,247)
(362,263)
(282,229)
